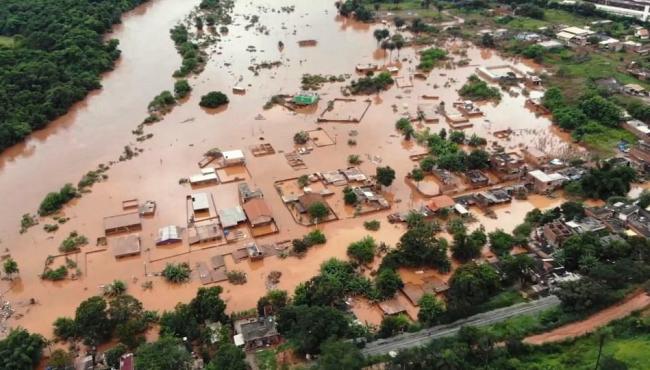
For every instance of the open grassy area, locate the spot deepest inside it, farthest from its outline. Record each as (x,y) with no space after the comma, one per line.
(604,143)
(266,359)
(6,41)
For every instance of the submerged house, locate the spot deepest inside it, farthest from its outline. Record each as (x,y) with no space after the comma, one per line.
(257,212)
(305,98)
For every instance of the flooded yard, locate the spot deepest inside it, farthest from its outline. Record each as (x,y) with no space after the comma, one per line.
(97,130)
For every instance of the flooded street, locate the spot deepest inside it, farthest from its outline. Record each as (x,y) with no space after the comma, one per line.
(97,130)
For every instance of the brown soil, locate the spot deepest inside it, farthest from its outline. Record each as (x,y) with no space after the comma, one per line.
(637,302)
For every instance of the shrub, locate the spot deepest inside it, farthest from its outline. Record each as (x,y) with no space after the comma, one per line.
(181,89)
(315,237)
(236,277)
(363,251)
(477,89)
(301,137)
(177,272)
(213,99)
(72,242)
(372,225)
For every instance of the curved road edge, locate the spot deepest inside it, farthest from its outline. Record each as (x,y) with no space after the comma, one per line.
(422,337)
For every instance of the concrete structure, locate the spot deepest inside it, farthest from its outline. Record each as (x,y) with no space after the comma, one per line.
(256,333)
(635,89)
(231,217)
(257,212)
(440,202)
(200,202)
(556,233)
(233,157)
(543,182)
(122,223)
(535,156)
(169,235)
(638,128)
(125,246)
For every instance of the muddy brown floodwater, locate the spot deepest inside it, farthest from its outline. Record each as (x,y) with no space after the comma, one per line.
(96,130)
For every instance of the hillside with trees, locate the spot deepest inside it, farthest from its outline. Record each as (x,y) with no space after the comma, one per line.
(56,58)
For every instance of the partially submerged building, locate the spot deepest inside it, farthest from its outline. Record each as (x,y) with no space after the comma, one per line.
(508,166)
(233,158)
(257,212)
(125,246)
(169,235)
(126,222)
(543,182)
(231,217)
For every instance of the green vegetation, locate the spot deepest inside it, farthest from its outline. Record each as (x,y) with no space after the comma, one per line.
(355,8)
(605,181)
(363,251)
(477,89)
(318,211)
(27,221)
(371,84)
(59,273)
(372,225)
(72,243)
(54,201)
(10,266)
(624,346)
(349,196)
(315,237)
(301,137)
(21,350)
(58,60)
(385,175)
(162,103)
(182,88)
(177,272)
(430,58)
(213,99)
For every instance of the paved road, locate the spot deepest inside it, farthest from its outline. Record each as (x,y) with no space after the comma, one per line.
(420,338)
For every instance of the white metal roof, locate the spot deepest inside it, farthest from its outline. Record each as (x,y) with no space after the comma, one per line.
(233,154)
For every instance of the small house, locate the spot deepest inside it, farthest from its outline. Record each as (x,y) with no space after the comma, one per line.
(257,212)
(638,128)
(535,156)
(200,202)
(233,158)
(309,199)
(169,235)
(256,333)
(246,193)
(476,178)
(556,232)
(254,252)
(231,217)
(440,202)
(508,166)
(635,89)
(126,246)
(543,182)
(305,98)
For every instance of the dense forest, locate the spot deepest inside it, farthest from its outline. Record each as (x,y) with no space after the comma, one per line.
(51,55)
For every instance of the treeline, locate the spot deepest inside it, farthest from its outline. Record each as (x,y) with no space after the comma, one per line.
(57,57)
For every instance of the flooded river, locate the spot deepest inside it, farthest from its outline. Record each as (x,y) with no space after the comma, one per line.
(96,131)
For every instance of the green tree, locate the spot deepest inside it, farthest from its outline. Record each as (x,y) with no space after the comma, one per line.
(583,295)
(92,321)
(176,272)
(272,302)
(166,353)
(228,357)
(208,305)
(338,355)
(467,247)
(179,323)
(478,159)
(572,210)
(10,266)
(181,89)
(380,34)
(114,354)
(516,268)
(501,242)
(569,118)
(60,360)
(388,282)
(349,196)
(431,309)
(213,99)
(318,211)
(602,110)
(419,247)
(417,175)
(309,326)
(363,251)
(385,175)
(469,286)
(65,328)
(393,325)
(21,350)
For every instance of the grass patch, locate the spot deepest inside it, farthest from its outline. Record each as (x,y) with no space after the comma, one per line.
(266,360)
(503,299)
(605,142)
(7,41)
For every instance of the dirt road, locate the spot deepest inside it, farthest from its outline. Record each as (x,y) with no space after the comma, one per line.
(602,318)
